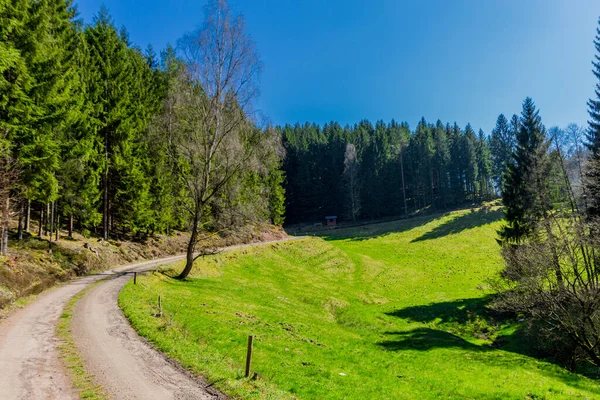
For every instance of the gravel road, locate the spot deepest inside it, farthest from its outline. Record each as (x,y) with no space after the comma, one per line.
(29,364)
(123,363)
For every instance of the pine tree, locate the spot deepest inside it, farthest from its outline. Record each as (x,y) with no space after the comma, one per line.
(81,153)
(423,150)
(502,143)
(592,181)
(484,166)
(456,166)
(469,151)
(525,196)
(16,105)
(123,89)
(441,163)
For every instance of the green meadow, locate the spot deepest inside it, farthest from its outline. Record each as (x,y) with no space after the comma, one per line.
(395,310)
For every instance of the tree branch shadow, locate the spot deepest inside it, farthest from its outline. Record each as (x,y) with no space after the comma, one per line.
(470,318)
(474,219)
(424,339)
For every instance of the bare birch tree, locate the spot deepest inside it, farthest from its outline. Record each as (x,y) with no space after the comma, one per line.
(352,184)
(210,137)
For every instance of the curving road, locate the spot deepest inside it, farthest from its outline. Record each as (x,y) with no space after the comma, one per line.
(29,360)
(122,362)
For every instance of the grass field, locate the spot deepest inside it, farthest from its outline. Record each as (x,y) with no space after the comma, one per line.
(388,311)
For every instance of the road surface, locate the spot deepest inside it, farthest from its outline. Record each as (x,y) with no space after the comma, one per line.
(122,362)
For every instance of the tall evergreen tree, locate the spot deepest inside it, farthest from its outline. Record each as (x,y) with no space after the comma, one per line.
(469,149)
(592,181)
(502,143)
(484,166)
(525,196)
(441,163)
(423,150)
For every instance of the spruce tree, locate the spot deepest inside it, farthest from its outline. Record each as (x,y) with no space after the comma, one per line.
(525,195)
(484,166)
(469,151)
(441,162)
(502,143)
(456,167)
(592,181)
(423,150)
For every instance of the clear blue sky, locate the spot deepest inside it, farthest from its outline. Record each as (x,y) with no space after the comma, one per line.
(344,60)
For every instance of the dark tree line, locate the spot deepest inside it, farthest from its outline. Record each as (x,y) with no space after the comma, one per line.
(78,150)
(365,171)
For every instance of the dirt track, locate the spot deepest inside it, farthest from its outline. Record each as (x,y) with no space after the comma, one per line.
(29,363)
(123,363)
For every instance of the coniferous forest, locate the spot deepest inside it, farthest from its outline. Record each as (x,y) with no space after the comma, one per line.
(83,114)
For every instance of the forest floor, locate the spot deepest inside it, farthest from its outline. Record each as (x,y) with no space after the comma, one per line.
(390,310)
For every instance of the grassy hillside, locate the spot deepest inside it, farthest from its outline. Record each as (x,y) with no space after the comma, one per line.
(30,268)
(393,310)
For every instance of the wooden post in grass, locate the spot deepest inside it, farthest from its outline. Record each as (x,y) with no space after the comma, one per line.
(249,355)
(134,277)
(159,307)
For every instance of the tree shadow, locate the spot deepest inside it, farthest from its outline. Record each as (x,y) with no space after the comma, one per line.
(458,311)
(471,318)
(424,339)
(379,229)
(473,219)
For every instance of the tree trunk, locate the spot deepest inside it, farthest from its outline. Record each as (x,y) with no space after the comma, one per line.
(105,218)
(20,229)
(40,227)
(432,189)
(5,219)
(47,224)
(51,227)
(28,216)
(71,225)
(189,260)
(403,186)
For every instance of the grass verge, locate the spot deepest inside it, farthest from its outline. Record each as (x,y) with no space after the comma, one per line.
(83,381)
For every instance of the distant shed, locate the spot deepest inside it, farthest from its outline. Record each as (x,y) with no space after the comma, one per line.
(331,220)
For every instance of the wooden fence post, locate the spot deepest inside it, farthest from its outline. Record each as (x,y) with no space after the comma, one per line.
(249,355)
(135,278)
(159,307)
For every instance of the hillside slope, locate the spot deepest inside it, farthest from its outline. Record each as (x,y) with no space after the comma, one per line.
(392,310)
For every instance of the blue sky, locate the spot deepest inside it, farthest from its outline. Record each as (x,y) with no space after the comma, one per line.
(344,60)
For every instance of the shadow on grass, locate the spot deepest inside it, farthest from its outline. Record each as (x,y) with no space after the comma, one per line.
(457,311)
(369,231)
(470,220)
(472,318)
(424,339)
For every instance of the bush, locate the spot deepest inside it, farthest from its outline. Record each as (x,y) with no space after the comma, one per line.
(553,279)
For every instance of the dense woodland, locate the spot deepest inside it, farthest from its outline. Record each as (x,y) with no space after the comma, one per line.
(83,142)
(82,145)
(367,172)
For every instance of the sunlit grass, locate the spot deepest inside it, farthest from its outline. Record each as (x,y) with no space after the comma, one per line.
(389,311)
